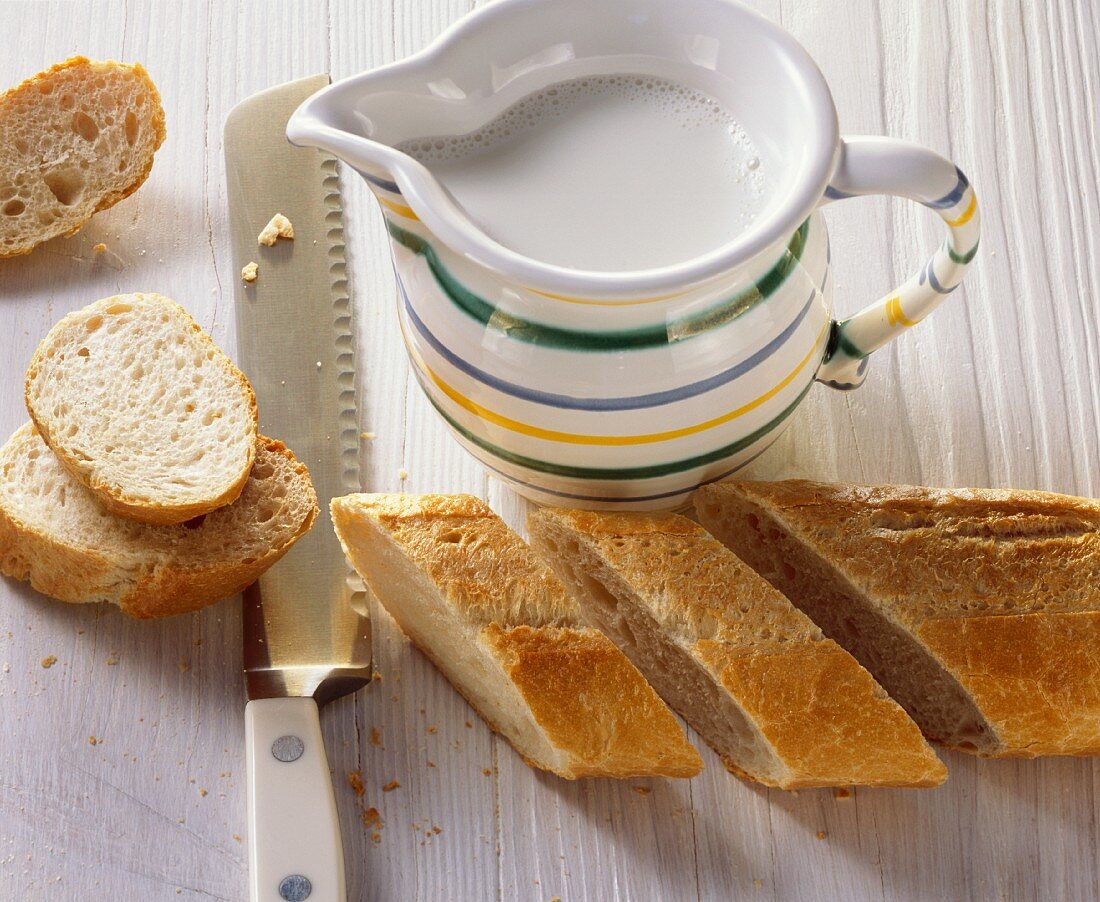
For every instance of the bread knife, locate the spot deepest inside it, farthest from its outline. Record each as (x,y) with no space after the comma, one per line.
(306,622)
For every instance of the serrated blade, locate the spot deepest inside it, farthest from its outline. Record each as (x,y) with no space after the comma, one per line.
(306,627)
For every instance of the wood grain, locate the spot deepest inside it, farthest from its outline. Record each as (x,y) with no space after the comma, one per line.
(999,387)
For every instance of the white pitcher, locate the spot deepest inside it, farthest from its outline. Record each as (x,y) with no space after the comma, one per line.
(630,389)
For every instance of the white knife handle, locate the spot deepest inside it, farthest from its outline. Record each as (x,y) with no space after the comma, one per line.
(295,852)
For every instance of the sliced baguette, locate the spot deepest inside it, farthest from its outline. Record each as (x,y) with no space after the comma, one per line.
(779,703)
(499,625)
(74,140)
(54,533)
(144,409)
(977,609)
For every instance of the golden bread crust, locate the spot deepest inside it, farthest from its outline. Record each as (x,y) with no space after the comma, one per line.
(822,715)
(484,569)
(596,713)
(686,575)
(593,704)
(1001,587)
(980,552)
(1035,677)
(826,717)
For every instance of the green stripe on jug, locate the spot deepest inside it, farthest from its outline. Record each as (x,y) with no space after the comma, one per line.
(620,340)
(848,386)
(630,402)
(650,471)
(962,258)
(633,499)
(839,341)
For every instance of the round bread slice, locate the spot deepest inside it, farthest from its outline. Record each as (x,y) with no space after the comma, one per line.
(74,140)
(54,533)
(144,409)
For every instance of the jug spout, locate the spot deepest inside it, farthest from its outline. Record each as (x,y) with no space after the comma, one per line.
(322,122)
(510,50)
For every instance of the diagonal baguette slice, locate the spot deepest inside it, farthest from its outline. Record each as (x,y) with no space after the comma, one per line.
(54,533)
(144,409)
(74,140)
(498,624)
(977,609)
(779,702)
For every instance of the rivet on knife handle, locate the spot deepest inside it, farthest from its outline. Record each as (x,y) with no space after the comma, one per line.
(295,850)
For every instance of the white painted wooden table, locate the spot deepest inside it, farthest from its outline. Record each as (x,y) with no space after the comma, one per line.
(121,766)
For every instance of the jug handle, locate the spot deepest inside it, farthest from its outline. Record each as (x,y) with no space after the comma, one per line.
(875,165)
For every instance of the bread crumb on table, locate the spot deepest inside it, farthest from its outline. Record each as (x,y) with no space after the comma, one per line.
(184,666)
(842,792)
(367,436)
(249,272)
(278,227)
(99,248)
(372,820)
(93,741)
(821,834)
(402,474)
(49,661)
(376,737)
(112,659)
(355,781)
(391,786)
(642,790)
